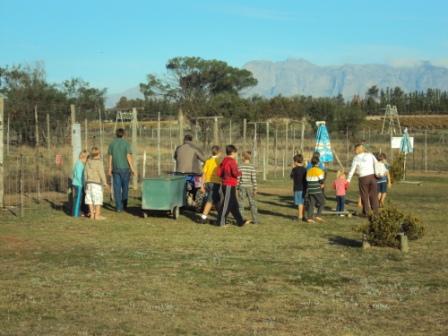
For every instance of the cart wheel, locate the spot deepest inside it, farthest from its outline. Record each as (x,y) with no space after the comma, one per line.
(145,214)
(176,212)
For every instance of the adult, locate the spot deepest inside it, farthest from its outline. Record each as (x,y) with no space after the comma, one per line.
(364,166)
(121,167)
(188,159)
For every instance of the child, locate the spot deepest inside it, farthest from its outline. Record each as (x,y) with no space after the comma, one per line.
(314,194)
(95,181)
(384,180)
(298,175)
(247,186)
(341,186)
(229,173)
(78,184)
(211,183)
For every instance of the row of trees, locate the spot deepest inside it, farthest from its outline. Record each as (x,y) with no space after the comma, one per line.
(27,90)
(200,88)
(431,101)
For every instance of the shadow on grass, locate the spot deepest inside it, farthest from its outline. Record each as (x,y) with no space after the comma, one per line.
(342,241)
(276,214)
(65,207)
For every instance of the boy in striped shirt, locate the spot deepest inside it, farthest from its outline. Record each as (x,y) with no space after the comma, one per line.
(315,197)
(248,186)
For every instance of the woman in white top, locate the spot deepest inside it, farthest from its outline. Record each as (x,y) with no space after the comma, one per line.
(364,166)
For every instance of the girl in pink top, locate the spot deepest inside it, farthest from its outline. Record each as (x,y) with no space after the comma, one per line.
(341,186)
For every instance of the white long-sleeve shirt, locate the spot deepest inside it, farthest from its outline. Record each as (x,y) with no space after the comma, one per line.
(363,165)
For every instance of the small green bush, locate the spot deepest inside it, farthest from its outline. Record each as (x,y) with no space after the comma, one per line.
(413,227)
(384,227)
(396,170)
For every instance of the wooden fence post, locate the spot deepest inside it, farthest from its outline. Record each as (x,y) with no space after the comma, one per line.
(180,119)
(267,144)
(215,131)
(36,126)
(159,155)
(7,138)
(426,151)
(72,121)
(302,135)
(22,191)
(230,131)
(86,134)
(48,133)
(244,133)
(276,150)
(134,147)
(144,165)
(2,169)
(254,147)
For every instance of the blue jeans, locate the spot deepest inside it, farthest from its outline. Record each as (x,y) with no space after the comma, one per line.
(340,203)
(121,179)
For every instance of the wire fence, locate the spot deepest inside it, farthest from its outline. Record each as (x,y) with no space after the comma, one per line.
(41,172)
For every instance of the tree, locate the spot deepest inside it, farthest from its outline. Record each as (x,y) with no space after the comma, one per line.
(192,82)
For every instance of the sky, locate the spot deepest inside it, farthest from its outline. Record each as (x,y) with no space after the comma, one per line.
(115,44)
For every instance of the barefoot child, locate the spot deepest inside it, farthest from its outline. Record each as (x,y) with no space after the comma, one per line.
(95,182)
(78,184)
(341,186)
(229,173)
(211,182)
(384,181)
(247,186)
(314,185)
(298,175)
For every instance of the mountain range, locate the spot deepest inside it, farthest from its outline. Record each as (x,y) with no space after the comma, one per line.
(301,77)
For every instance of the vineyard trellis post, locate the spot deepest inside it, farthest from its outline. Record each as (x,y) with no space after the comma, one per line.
(302,135)
(7,138)
(2,170)
(22,191)
(215,131)
(36,126)
(426,151)
(48,133)
(134,147)
(230,131)
(86,134)
(180,119)
(244,133)
(72,122)
(159,170)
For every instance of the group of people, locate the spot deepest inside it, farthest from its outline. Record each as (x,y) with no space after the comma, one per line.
(309,184)
(89,178)
(228,186)
(225,184)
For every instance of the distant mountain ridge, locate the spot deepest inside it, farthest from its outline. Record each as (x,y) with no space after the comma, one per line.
(301,77)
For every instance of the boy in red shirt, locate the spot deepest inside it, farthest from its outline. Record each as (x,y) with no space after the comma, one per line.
(229,173)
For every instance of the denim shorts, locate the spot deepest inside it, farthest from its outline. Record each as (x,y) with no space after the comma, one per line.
(382,187)
(298,197)
(213,191)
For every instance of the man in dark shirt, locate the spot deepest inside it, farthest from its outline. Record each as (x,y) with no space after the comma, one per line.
(298,175)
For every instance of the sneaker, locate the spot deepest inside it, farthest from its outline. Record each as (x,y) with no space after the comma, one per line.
(200,219)
(245,222)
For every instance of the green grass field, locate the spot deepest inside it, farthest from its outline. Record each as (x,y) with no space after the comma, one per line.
(157,276)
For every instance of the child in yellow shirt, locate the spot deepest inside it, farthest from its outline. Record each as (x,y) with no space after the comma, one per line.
(211,183)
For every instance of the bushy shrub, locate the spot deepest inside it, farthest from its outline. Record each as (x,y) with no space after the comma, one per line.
(384,227)
(413,227)
(396,170)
